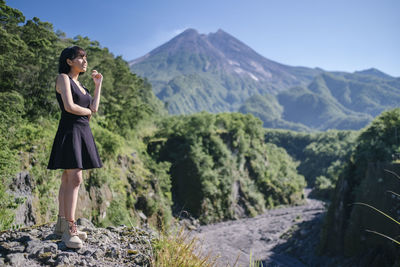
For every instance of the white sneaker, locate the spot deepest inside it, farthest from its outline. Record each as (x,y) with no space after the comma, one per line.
(70,236)
(62,224)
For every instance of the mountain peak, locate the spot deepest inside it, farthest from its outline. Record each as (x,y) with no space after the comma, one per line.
(220,34)
(220,31)
(189,31)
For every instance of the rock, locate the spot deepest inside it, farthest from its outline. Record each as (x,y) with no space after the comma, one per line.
(84,223)
(97,254)
(34,247)
(16,259)
(50,247)
(17,248)
(21,189)
(115,246)
(63,258)
(113,252)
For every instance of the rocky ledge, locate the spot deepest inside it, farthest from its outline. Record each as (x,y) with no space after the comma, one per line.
(111,246)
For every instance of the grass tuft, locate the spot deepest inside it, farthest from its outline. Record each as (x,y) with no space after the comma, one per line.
(181,250)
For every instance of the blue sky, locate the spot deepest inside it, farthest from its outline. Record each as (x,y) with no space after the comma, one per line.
(334,35)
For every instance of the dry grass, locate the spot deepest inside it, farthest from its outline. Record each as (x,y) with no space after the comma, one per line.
(181,250)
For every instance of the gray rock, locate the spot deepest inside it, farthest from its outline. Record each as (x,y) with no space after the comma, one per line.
(17,249)
(34,247)
(113,252)
(51,262)
(85,223)
(62,259)
(16,259)
(10,247)
(88,252)
(21,188)
(50,247)
(34,232)
(97,254)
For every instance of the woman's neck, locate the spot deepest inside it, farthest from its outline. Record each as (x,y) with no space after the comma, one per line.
(74,75)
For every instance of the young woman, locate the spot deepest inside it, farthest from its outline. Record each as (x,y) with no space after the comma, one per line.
(74,148)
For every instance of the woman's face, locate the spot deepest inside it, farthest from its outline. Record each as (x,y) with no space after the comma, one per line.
(79,63)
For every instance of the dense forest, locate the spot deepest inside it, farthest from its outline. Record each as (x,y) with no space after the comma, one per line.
(215,167)
(221,168)
(321,155)
(29,116)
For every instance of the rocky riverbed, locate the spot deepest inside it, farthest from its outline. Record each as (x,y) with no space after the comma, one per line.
(112,246)
(286,236)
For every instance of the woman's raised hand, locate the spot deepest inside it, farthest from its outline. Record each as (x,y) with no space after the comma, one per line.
(97,77)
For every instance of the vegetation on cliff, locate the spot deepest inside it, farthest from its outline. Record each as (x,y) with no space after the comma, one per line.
(221,168)
(367,178)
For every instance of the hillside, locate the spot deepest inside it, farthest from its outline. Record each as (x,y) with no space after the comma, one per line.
(214,72)
(333,100)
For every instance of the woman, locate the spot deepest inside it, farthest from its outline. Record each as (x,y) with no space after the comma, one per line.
(74,148)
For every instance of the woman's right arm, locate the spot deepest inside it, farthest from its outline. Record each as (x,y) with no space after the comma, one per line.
(64,87)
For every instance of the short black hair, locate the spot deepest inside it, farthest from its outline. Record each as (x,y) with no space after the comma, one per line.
(69,53)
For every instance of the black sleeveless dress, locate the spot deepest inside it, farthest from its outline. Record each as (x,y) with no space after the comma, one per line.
(74,146)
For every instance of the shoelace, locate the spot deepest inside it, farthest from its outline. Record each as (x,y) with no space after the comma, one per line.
(72,228)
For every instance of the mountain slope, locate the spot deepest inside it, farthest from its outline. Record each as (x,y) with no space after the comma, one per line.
(333,100)
(214,72)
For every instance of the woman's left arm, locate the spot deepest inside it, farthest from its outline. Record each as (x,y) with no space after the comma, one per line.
(98,79)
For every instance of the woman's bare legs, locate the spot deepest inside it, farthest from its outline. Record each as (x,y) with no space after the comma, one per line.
(68,196)
(70,192)
(61,194)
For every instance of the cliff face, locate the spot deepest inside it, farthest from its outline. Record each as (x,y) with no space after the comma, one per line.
(374,190)
(348,233)
(367,178)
